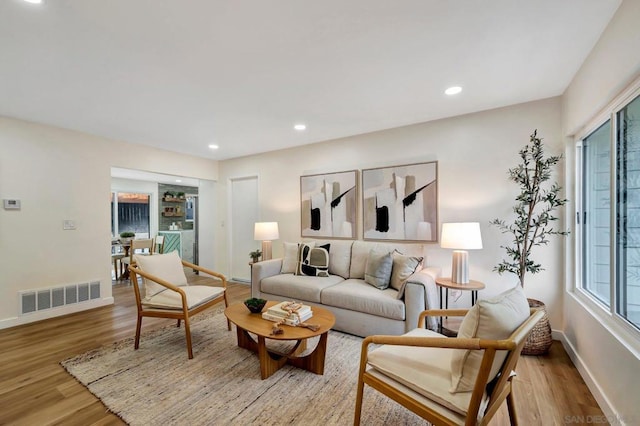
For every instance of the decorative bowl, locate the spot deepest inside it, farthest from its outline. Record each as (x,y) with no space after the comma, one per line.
(255,305)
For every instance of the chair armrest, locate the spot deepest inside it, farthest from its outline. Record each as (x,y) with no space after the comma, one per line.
(262,270)
(440,313)
(440,342)
(206,271)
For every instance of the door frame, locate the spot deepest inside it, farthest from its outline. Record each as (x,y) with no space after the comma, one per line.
(229,232)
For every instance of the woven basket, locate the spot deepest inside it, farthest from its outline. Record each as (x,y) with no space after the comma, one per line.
(539,341)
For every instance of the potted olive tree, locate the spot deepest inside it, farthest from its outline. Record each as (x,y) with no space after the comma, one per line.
(532,226)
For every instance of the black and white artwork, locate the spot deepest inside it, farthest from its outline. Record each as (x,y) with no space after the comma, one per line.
(328,205)
(400,202)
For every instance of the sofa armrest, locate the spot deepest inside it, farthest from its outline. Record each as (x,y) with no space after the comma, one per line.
(421,293)
(262,270)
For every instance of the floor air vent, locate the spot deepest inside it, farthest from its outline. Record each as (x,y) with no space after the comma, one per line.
(55,297)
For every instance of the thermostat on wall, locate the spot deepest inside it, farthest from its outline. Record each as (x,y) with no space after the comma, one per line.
(11,204)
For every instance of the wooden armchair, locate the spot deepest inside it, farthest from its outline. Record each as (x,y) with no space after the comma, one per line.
(447,381)
(168,295)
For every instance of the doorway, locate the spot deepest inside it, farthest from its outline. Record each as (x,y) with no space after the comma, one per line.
(243,215)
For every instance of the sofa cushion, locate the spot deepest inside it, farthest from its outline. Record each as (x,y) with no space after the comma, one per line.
(424,370)
(359,254)
(298,287)
(339,257)
(290,258)
(166,266)
(403,268)
(377,271)
(495,318)
(357,295)
(317,264)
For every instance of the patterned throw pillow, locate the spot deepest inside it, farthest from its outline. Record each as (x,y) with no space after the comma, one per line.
(313,261)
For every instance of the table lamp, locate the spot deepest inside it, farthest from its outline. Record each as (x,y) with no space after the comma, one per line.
(461,237)
(266,232)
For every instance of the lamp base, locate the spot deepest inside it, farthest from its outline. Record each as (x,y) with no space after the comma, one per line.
(460,267)
(266,250)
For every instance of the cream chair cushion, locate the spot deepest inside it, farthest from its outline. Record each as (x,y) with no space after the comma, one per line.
(496,318)
(426,371)
(166,266)
(196,295)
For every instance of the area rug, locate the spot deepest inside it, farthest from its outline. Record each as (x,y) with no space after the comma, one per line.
(221,385)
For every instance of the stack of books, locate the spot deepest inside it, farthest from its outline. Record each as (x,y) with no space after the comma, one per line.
(280,312)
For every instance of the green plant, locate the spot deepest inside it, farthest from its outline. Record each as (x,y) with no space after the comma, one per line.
(255,255)
(127,234)
(169,194)
(534,218)
(255,302)
(180,194)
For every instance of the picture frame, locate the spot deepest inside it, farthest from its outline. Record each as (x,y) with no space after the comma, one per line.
(328,205)
(400,203)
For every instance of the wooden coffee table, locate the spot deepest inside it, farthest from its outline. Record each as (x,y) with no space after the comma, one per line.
(271,360)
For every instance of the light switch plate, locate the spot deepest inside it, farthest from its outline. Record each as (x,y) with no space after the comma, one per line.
(69,225)
(10,204)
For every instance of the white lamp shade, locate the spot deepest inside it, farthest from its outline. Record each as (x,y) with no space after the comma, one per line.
(461,236)
(266,231)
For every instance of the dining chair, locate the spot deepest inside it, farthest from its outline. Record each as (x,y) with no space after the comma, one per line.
(143,247)
(167,293)
(452,381)
(117,254)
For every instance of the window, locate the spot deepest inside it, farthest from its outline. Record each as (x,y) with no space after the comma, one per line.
(609,268)
(628,212)
(130,212)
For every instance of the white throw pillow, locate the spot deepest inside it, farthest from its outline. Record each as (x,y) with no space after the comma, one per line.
(495,318)
(166,266)
(290,259)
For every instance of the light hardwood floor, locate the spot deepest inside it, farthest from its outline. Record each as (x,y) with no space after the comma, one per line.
(35,389)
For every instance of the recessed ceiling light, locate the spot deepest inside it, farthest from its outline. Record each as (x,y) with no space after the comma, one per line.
(300,127)
(178,180)
(34,1)
(454,90)
(213,146)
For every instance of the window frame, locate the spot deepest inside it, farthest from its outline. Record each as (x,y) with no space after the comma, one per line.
(619,326)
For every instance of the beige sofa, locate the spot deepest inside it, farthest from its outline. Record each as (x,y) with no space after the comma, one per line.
(359,307)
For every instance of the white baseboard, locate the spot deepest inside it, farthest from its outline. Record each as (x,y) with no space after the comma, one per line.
(53,313)
(592,384)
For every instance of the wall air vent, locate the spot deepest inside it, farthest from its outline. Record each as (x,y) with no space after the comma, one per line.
(54,297)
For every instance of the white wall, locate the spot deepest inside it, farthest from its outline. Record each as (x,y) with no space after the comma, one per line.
(473,152)
(60,174)
(608,363)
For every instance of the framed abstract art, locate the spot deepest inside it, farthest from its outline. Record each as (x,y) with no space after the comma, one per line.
(328,205)
(400,203)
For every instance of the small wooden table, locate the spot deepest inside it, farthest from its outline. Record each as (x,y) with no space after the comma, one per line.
(270,360)
(446,284)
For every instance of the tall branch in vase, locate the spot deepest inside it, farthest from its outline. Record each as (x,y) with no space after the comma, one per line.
(534,210)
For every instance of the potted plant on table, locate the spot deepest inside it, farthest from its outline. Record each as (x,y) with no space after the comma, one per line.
(255,255)
(532,226)
(126,237)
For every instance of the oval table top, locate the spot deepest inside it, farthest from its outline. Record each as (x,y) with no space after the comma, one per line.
(254,323)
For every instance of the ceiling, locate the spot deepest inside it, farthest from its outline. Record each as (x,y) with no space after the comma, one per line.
(183,74)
